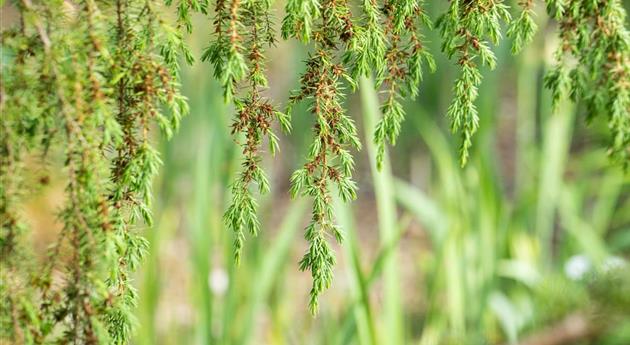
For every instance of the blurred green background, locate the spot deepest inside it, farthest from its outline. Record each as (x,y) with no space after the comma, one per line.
(529,243)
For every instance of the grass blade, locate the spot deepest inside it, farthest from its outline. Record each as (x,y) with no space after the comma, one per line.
(386,209)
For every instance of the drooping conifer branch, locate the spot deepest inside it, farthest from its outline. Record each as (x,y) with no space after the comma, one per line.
(404,58)
(523,28)
(243,32)
(87,80)
(329,161)
(467,28)
(594,34)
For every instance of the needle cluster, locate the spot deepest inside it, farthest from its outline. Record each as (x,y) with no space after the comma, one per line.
(468,27)
(83,82)
(399,68)
(593,65)
(243,31)
(329,161)
(523,28)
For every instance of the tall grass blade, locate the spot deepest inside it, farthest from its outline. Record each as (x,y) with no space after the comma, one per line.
(386,209)
(555,148)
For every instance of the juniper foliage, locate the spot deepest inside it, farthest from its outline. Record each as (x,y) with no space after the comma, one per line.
(242,32)
(593,65)
(399,67)
(329,161)
(87,79)
(468,28)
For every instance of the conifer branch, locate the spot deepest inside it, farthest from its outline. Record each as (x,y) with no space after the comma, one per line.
(522,30)
(594,34)
(329,162)
(246,26)
(467,28)
(89,78)
(404,60)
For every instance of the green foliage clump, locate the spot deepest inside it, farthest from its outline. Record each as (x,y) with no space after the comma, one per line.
(593,65)
(83,80)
